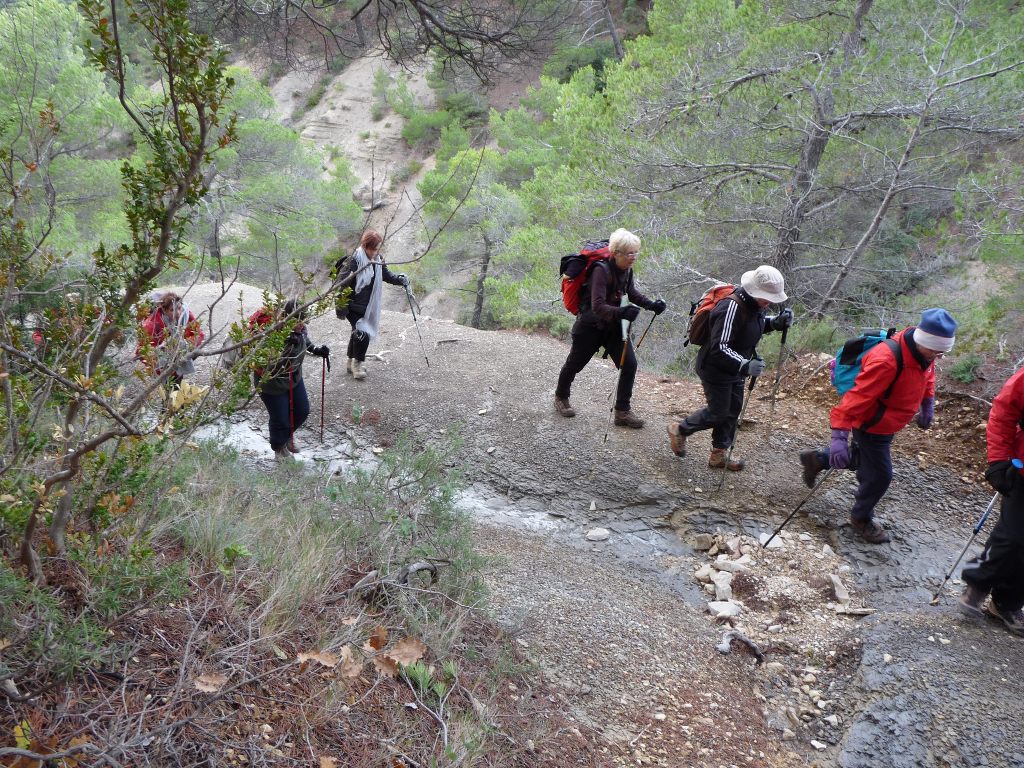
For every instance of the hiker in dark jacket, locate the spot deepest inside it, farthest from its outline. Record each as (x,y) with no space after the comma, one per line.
(598,325)
(363,309)
(736,323)
(281,387)
(887,394)
(999,569)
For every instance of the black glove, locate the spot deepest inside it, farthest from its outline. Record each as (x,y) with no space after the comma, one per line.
(402,280)
(781,321)
(629,312)
(753,367)
(1002,476)
(322,351)
(658,306)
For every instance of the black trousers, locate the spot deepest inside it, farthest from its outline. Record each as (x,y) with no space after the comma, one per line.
(287,412)
(871,459)
(358,342)
(585,343)
(999,568)
(725,401)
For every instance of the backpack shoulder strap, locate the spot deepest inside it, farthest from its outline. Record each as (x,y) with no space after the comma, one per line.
(897,353)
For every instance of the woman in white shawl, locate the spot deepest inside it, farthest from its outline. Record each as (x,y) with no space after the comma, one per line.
(363,309)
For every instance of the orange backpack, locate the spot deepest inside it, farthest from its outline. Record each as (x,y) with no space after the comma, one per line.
(575,270)
(699,329)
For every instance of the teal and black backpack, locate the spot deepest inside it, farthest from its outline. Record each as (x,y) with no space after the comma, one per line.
(850,357)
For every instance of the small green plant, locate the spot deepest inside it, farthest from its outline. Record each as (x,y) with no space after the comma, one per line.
(405,172)
(381,84)
(965,369)
(364,135)
(233,552)
(357,413)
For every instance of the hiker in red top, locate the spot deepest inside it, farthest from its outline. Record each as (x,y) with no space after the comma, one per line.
(875,417)
(999,569)
(597,325)
(167,336)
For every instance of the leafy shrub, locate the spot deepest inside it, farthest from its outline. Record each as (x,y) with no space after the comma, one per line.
(966,368)
(564,63)
(424,126)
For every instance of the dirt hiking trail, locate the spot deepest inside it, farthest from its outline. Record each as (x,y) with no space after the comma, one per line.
(858,670)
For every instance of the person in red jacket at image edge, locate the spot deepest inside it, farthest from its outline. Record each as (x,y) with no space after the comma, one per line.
(167,334)
(874,418)
(999,569)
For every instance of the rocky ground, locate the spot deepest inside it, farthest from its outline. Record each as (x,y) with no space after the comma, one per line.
(616,564)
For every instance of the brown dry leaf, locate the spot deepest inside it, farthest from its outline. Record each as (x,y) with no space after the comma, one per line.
(323,657)
(349,666)
(378,639)
(4,643)
(328,762)
(348,621)
(386,665)
(408,651)
(210,683)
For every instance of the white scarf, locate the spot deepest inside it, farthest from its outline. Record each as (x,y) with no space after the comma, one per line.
(369,323)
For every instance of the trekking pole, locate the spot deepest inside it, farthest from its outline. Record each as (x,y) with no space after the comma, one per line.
(981,521)
(778,378)
(408,295)
(739,420)
(323,388)
(799,506)
(622,360)
(644,334)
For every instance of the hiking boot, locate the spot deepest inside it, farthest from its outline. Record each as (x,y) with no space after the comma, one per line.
(358,371)
(291,446)
(717,460)
(1014,620)
(870,531)
(809,460)
(563,407)
(348,367)
(971,600)
(676,439)
(283,455)
(627,419)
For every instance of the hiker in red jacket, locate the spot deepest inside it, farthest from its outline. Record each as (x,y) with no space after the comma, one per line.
(167,336)
(598,325)
(999,569)
(887,393)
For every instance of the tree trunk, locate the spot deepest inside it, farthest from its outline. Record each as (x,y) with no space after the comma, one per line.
(802,185)
(485,262)
(620,52)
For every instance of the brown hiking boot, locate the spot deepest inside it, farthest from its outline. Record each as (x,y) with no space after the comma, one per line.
(282,454)
(627,419)
(809,460)
(358,371)
(291,446)
(718,457)
(870,531)
(563,407)
(971,600)
(348,366)
(676,439)
(1014,620)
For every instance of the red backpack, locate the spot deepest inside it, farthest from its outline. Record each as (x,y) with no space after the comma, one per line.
(575,270)
(699,329)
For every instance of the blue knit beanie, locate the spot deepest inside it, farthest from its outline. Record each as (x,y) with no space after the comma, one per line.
(936,331)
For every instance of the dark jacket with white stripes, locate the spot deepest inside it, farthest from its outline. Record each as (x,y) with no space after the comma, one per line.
(737,324)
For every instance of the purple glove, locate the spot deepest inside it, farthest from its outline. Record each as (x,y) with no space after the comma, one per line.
(927,413)
(839,450)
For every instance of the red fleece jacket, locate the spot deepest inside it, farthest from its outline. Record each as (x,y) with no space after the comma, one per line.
(877,373)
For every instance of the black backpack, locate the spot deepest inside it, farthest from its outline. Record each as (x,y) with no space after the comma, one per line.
(342,270)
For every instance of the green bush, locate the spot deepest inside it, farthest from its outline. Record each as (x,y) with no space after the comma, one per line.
(565,62)
(424,126)
(966,368)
